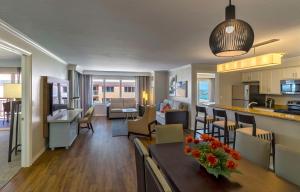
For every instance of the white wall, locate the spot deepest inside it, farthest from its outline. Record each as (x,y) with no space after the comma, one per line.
(42,65)
(183,74)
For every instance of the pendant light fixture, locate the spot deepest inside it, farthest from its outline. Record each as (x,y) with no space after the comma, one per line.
(232,37)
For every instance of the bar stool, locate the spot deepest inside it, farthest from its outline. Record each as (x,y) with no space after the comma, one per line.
(241,119)
(225,124)
(202,117)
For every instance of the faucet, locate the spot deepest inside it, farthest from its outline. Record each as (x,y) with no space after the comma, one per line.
(250,104)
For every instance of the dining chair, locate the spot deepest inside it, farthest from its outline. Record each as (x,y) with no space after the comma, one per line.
(155,181)
(204,118)
(253,149)
(287,163)
(86,120)
(221,122)
(246,124)
(141,153)
(170,133)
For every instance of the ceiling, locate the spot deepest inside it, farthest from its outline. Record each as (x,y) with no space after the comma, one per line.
(146,35)
(7,55)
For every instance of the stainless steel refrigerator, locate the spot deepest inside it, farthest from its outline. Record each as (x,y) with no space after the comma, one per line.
(243,94)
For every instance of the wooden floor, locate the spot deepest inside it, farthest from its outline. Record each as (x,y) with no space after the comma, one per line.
(95,162)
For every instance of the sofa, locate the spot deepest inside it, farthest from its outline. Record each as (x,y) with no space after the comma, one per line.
(178,114)
(114,109)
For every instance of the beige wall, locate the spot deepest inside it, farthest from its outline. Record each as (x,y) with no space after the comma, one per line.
(42,65)
(160,85)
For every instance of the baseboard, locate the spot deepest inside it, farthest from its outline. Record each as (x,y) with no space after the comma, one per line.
(38,155)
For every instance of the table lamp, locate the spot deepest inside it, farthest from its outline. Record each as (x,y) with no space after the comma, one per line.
(12,90)
(145,97)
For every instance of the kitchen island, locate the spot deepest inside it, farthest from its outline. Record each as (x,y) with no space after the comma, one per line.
(285,126)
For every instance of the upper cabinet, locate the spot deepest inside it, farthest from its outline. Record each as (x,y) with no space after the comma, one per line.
(291,73)
(270,82)
(251,76)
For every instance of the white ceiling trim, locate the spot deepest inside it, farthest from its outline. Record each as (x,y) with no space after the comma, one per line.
(116,73)
(28,40)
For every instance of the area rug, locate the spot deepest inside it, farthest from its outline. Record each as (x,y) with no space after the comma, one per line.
(119,127)
(4,124)
(7,170)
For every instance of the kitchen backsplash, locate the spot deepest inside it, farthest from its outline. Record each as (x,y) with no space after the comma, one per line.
(282,100)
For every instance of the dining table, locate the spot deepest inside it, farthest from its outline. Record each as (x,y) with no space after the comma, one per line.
(185,174)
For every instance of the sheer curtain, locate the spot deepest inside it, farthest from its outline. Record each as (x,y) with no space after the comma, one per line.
(142,84)
(86,94)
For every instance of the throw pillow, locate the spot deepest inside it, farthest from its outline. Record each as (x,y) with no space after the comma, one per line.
(166,108)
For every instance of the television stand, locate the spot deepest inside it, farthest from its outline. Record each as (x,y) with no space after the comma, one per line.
(63,128)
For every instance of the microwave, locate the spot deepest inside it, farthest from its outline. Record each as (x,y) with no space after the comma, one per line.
(291,87)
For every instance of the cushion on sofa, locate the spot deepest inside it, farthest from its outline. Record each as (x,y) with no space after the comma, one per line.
(129,103)
(116,103)
(116,110)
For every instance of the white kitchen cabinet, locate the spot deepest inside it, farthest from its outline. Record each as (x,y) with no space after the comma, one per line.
(265,81)
(291,73)
(251,76)
(246,76)
(276,76)
(270,82)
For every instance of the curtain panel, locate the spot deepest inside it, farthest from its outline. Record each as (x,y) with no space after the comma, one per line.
(86,94)
(143,84)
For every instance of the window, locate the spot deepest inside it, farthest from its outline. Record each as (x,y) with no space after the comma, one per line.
(98,93)
(203,90)
(105,89)
(109,89)
(128,88)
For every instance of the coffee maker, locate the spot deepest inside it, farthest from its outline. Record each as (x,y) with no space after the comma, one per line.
(270,103)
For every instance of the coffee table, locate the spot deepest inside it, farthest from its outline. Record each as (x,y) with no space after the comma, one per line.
(130,112)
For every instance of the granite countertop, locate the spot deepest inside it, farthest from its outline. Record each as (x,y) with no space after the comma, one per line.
(65,116)
(263,111)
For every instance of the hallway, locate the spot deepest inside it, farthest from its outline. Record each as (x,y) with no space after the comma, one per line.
(95,162)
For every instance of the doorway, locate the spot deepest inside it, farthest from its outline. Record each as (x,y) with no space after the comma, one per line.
(15,110)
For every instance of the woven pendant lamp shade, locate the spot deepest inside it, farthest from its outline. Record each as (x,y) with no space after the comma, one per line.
(232,37)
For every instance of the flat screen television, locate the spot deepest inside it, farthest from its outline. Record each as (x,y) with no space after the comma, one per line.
(58,97)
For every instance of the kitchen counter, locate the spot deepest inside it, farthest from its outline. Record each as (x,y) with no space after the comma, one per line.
(258,111)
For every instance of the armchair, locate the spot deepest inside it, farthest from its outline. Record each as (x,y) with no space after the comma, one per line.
(143,125)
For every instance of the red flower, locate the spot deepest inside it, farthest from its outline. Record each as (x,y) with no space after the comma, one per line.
(231,164)
(187,149)
(227,149)
(212,160)
(206,137)
(235,155)
(189,139)
(196,153)
(215,144)
(196,141)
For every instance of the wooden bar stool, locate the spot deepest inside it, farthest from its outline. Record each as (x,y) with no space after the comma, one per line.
(242,119)
(224,124)
(202,117)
